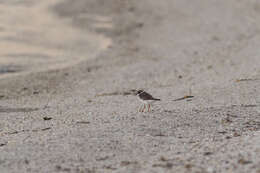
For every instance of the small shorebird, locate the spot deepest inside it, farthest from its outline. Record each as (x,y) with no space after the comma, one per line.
(145,98)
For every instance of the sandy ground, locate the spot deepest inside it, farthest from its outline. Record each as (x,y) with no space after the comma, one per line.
(76,118)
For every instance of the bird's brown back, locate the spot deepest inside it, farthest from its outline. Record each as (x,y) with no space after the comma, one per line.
(146,96)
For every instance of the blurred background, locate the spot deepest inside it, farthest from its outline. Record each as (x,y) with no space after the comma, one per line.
(48,34)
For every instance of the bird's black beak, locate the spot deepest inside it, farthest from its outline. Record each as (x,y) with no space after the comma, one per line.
(133,91)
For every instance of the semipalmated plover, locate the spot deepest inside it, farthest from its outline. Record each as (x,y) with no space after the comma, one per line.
(145,98)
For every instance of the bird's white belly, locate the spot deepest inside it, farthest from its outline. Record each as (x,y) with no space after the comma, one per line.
(147,101)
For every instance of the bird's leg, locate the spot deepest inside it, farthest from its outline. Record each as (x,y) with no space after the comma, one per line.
(149,107)
(140,108)
(143,108)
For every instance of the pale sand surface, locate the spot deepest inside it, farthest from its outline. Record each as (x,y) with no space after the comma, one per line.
(171,48)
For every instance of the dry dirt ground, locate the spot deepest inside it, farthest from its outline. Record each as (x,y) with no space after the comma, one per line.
(66,66)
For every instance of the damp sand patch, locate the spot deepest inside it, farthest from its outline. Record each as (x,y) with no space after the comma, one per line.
(34,38)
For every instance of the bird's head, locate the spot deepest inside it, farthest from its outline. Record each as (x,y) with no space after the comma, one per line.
(137,92)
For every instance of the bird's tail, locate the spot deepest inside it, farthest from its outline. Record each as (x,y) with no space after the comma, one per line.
(157,99)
